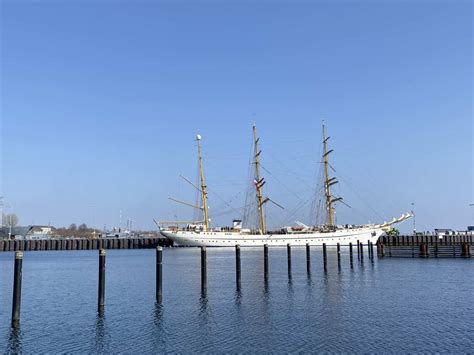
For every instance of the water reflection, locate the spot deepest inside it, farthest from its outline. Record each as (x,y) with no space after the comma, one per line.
(14,341)
(101,335)
(266,289)
(158,315)
(290,288)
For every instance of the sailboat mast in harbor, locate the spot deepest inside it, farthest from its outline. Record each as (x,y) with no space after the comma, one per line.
(201,234)
(259,182)
(328,182)
(204,207)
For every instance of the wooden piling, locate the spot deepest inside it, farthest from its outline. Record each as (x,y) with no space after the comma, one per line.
(465,250)
(325,256)
(338,255)
(371,250)
(17,274)
(265,261)
(288,253)
(203,269)
(361,247)
(237,266)
(159,274)
(423,250)
(358,251)
(308,258)
(350,253)
(101,296)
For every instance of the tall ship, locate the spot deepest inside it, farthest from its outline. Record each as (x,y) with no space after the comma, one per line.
(200,233)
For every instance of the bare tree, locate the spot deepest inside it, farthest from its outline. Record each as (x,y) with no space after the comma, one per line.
(73,227)
(83,227)
(10,220)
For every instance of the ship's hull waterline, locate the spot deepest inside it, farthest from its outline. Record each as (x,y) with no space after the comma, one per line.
(231,239)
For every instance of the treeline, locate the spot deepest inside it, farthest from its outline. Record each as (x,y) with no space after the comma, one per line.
(83,231)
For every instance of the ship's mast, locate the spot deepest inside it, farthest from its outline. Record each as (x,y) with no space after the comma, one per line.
(203,185)
(328,182)
(259,182)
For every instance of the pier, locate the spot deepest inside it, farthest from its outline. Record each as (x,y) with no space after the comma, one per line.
(83,244)
(426,246)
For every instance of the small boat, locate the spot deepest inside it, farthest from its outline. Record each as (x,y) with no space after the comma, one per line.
(200,233)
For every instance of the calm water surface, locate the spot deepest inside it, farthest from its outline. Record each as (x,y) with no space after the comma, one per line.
(390,305)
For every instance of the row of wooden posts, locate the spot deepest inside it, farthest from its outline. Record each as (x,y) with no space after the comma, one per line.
(381,251)
(426,250)
(82,244)
(159,272)
(418,239)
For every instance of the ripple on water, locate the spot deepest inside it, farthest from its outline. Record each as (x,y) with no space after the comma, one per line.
(383,306)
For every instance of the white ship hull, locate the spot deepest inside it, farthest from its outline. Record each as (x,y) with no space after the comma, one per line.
(231,239)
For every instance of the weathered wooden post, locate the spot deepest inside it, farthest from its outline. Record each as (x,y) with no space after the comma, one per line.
(308,258)
(237,266)
(265,261)
(17,274)
(101,298)
(350,253)
(358,251)
(423,252)
(325,256)
(465,250)
(159,274)
(338,255)
(288,253)
(361,245)
(203,269)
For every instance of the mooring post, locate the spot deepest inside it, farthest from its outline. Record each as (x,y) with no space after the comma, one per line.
(265,261)
(101,298)
(308,259)
(237,266)
(350,252)
(17,288)
(325,256)
(159,274)
(203,269)
(361,245)
(422,250)
(338,255)
(465,250)
(358,251)
(372,250)
(288,253)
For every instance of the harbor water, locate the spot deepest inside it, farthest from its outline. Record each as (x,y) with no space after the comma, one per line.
(388,305)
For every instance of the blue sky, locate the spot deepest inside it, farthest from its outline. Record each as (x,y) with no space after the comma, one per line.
(101,101)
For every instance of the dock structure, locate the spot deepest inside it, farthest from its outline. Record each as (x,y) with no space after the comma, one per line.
(426,246)
(83,244)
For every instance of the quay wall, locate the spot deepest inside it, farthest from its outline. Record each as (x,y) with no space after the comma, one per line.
(82,244)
